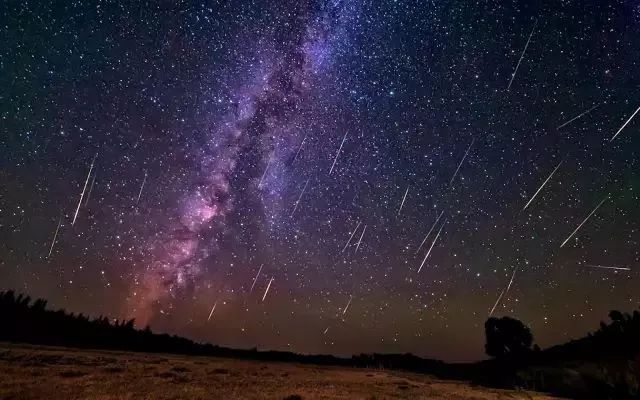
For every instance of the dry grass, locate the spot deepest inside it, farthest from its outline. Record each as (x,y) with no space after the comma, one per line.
(30,372)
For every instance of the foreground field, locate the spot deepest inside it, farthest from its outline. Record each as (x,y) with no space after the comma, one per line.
(30,372)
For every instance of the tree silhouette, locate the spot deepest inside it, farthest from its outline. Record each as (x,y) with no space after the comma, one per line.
(507,337)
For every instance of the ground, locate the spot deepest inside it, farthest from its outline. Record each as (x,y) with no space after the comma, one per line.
(34,372)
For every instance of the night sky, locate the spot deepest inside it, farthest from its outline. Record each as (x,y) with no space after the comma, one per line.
(336,176)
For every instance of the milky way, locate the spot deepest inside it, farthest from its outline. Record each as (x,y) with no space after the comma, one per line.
(261,132)
(324,176)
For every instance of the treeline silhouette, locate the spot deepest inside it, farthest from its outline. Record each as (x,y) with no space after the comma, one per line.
(619,339)
(28,321)
(612,352)
(605,364)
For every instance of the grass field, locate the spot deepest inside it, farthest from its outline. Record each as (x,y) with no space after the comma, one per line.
(32,372)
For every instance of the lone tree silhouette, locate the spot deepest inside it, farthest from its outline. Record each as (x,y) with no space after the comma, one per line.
(507,337)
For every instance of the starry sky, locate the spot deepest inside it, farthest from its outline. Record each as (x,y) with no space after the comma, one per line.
(324,176)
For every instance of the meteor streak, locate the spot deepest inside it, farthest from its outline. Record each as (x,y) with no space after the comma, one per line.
(93,180)
(625,124)
(605,267)
(83,190)
(256,278)
(299,197)
(431,248)
(579,116)
(403,199)
(299,148)
(585,220)
(351,237)
(264,173)
(338,153)
(505,291)
(461,161)
(541,186)
(55,235)
(141,187)
(347,306)
(430,230)
(360,241)
(267,291)
(212,309)
(496,303)
(522,55)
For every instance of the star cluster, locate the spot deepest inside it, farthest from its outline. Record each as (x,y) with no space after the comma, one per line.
(336,176)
